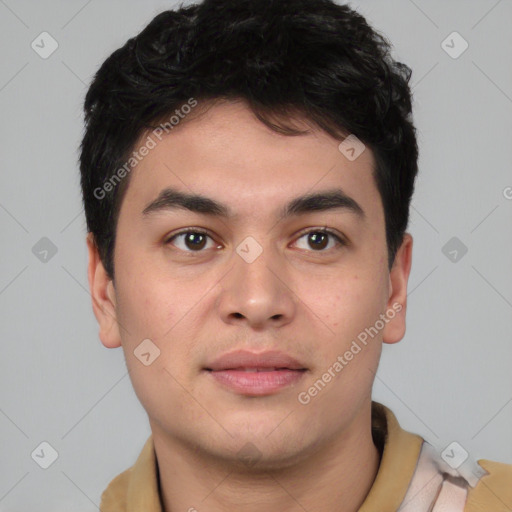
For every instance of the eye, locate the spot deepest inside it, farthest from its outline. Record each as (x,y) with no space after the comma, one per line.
(195,240)
(318,238)
(192,240)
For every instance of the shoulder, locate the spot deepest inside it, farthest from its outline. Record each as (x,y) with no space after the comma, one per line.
(113,498)
(493,491)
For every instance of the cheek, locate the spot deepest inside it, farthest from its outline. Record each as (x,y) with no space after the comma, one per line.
(164,311)
(344,310)
(346,303)
(151,300)
(138,301)
(149,308)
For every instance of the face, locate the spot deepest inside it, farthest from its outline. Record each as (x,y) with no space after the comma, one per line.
(256,272)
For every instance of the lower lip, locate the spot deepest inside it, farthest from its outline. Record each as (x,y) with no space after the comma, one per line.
(257,383)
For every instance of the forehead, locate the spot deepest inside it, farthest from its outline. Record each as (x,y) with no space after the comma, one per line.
(227,154)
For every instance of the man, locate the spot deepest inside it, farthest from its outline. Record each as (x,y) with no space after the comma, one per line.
(247,170)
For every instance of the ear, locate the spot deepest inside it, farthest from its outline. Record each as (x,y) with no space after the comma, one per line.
(103,297)
(394,330)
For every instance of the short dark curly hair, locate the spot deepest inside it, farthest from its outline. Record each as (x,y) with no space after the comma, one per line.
(287,59)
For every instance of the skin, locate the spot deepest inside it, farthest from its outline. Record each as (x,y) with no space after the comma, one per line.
(307,302)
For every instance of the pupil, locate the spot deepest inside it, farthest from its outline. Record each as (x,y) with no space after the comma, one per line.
(315,238)
(190,239)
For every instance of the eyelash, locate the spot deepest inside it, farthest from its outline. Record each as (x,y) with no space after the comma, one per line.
(341,242)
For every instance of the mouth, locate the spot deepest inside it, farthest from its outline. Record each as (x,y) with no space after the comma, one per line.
(260,381)
(251,369)
(255,373)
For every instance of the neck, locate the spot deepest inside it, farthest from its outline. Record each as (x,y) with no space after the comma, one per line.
(337,477)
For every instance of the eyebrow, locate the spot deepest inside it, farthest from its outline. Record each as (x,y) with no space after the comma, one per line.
(172,199)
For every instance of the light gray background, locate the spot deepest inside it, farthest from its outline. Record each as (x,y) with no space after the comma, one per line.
(449,379)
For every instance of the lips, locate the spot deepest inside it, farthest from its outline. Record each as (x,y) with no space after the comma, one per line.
(255,374)
(244,360)
(250,369)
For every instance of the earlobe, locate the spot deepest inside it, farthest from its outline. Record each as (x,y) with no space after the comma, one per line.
(394,330)
(103,297)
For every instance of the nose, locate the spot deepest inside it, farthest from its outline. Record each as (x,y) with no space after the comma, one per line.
(258,293)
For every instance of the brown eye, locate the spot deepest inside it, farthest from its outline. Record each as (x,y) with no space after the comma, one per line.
(195,241)
(190,241)
(318,240)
